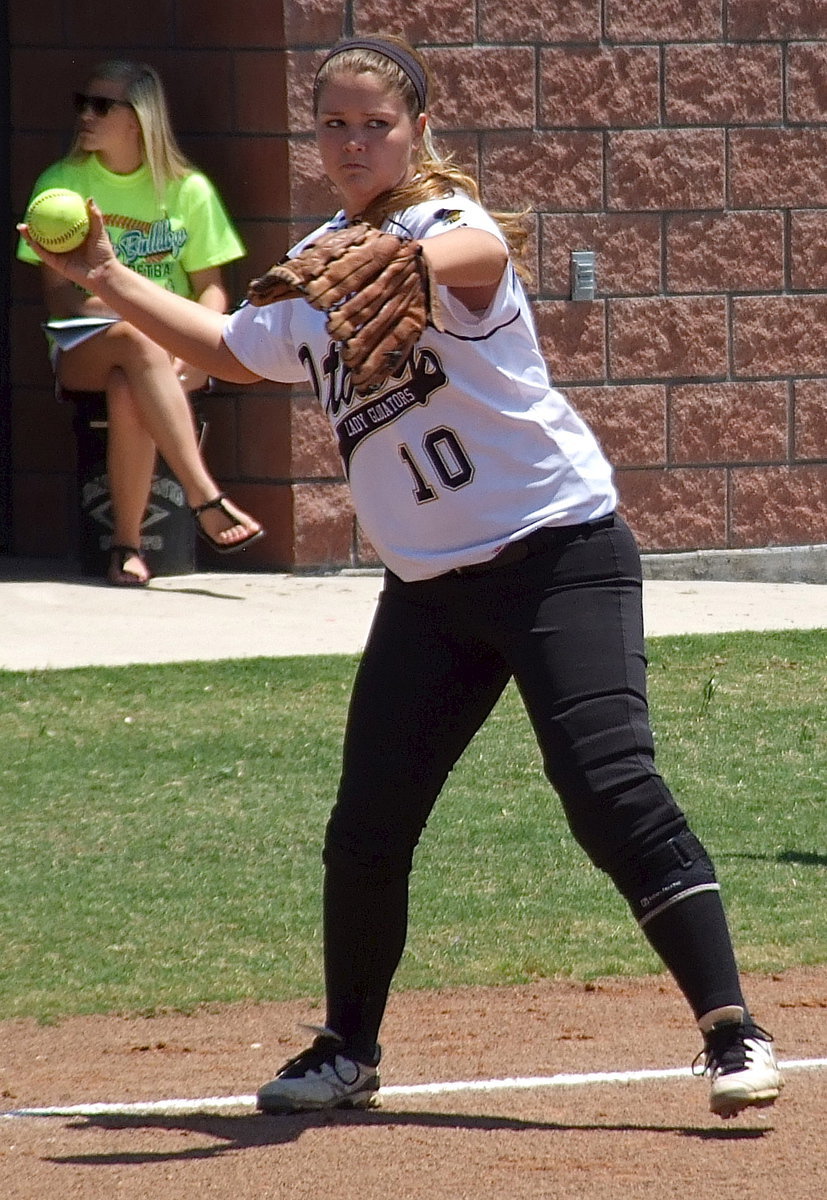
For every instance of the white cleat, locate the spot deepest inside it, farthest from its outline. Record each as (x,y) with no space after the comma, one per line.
(320,1077)
(738,1058)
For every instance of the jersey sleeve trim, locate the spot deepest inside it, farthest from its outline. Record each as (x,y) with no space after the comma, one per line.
(482,337)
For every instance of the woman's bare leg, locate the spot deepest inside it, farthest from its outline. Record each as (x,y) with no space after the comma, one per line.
(130,461)
(162,409)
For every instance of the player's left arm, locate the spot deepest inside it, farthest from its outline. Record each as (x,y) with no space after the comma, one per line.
(469,262)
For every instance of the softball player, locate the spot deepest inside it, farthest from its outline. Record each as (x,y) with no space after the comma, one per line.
(493,508)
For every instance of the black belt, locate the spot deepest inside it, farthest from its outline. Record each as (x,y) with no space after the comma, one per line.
(537,542)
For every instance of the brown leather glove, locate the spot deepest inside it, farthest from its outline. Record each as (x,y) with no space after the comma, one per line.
(375,289)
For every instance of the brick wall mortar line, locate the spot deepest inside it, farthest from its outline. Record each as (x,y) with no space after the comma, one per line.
(728,520)
(604,182)
(730,328)
(668,425)
(728,171)
(606,343)
(672,380)
(787,248)
(537,84)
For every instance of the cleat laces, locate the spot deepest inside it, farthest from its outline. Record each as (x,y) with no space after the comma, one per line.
(325,1049)
(726,1051)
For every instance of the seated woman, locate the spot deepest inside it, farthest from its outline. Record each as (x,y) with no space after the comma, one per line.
(167,222)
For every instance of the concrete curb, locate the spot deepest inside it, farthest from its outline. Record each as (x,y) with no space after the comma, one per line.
(775,564)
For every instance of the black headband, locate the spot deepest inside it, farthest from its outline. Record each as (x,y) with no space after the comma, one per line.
(403,60)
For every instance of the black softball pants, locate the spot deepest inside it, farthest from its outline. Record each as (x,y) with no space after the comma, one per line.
(566,622)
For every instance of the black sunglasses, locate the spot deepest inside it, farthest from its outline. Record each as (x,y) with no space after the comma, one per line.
(101,106)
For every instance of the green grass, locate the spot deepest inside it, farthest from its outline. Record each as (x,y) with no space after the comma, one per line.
(160,830)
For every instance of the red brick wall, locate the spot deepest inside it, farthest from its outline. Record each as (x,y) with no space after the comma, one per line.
(685,141)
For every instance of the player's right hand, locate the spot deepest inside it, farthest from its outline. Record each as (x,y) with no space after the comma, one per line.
(92,256)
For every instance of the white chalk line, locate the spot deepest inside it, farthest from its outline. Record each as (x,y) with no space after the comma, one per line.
(242,1104)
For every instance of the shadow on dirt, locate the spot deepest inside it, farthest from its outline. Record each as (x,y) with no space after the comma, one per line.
(244,1132)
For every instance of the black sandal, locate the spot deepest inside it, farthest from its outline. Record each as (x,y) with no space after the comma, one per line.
(117,576)
(220,502)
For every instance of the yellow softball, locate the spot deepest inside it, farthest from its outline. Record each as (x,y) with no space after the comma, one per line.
(58,220)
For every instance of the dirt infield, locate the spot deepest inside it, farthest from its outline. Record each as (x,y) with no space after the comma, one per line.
(643,1139)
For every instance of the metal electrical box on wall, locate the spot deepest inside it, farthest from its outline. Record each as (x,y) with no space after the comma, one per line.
(583,281)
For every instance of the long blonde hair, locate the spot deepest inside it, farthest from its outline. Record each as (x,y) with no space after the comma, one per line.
(437,174)
(144,90)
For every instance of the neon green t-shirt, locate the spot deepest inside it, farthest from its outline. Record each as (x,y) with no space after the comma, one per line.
(165,239)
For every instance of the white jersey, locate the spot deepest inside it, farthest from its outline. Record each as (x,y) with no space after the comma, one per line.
(467,446)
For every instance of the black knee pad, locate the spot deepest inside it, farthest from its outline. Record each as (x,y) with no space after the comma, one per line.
(382,853)
(674,871)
